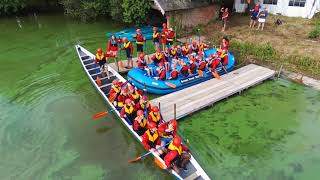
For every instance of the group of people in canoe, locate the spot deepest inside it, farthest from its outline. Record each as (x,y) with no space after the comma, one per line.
(146,120)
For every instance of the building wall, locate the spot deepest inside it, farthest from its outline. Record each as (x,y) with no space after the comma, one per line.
(193,17)
(283,8)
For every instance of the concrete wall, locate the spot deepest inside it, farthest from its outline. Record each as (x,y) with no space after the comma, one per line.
(193,17)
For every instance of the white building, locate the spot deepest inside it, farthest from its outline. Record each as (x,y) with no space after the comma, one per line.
(291,8)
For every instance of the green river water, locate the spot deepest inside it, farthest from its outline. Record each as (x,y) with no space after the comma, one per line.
(46,103)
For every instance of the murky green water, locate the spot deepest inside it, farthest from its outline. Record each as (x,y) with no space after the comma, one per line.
(46,130)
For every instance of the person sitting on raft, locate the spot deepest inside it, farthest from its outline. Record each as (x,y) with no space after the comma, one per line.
(100,58)
(173,52)
(170,37)
(144,101)
(214,62)
(178,155)
(128,112)
(113,43)
(158,57)
(224,58)
(151,139)
(119,102)
(156,38)
(161,71)
(193,66)
(140,39)
(133,94)
(166,54)
(179,51)
(154,115)
(140,123)
(142,64)
(185,69)
(202,67)
(194,47)
(127,46)
(174,73)
(225,44)
(203,46)
(167,131)
(185,50)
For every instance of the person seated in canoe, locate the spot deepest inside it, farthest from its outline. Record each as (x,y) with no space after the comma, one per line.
(113,43)
(174,73)
(119,102)
(156,38)
(170,37)
(185,50)
(140,123)
(100,58)
(134,94)
(115,90)
(184,69)
(203,46)
(140,39)
(164,35)
(193,66)
(167,131)
(178,155)
(128,112)
(151,139)
(154,115)
(127,46)
(161,72)
(179,51)
(158,57)
(142,64)
(224,45)
(166,54)
(194,47)
(144,101)
(173,52)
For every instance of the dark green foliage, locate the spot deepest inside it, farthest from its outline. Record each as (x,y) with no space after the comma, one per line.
(314,34)
(116,10)
(135,11)
(8,7)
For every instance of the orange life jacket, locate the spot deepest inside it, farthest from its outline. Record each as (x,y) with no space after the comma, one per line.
(99,57)
(155,118)
(128,110)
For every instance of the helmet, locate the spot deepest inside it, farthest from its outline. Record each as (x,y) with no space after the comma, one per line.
(140,113)
(125,90)
(176,141)
(160,64)
(158,51)
(145,98)
(128,101)
(155,29)
(115,82)
(138,30)
(152,125)
(174,123)
(99,50)
(141,55)
(155,109)
(125,39)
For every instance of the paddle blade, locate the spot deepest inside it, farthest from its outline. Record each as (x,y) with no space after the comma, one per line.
(200,73)
(99,115)
(135,160)
(216,75)
(159,164)
(171,85)
(98,81)
(112,97)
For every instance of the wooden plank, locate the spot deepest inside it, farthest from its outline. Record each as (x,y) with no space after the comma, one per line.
(201,95)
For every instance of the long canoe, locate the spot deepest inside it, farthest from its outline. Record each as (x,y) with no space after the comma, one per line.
(93,71)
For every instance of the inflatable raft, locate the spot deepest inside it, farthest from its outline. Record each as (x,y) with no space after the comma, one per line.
(139,78)
(128,33)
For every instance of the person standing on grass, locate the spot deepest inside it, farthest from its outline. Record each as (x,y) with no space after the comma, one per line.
(254,14)
(225,16)
(262,18)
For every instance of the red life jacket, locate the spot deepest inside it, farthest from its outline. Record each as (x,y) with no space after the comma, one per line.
(202,66)
(140,39)
(193,67)
(170,36)
(174,74)
(162,74)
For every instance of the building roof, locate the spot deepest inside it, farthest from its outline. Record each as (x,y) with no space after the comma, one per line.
(173,5)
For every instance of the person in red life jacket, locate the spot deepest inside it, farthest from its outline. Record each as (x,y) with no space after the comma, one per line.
(202,67)
(164,35)
(173,52)
(144,101)
(184,69)
(119,102)
(158,57)
(167,131)
(185,50)
(213,62)
(194,47)
(128,112)
(113,43)
(224,58)
(127,46)
(200,54)
(154,115)
(151,139)
(156,38)
(178,155)
(115,89)
(174,73)
(203,46)
(142,64)
(224,44)
(161,71)
(179,51)
(170,37)
(134,94)
(140,123)
(140,39)
(167,54)
(193,66)
(100,58)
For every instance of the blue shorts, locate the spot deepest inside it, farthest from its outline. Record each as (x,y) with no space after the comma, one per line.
(166,140)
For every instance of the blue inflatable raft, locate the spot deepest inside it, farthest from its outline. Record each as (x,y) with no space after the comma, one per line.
(140,79)
(128,33)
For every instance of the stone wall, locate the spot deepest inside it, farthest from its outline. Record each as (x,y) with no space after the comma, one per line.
(193,17)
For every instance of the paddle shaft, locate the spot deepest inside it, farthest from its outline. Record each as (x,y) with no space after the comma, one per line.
(149,152)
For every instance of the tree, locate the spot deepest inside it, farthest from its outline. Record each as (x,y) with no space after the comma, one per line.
(8,7)
(116,9)
(136,11)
